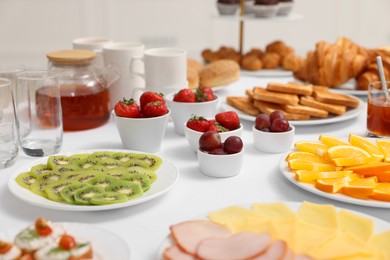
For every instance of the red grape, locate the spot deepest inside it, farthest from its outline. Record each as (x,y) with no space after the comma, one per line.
(276,114)
(233,144)
(209,141)
(262,121)
(218,151)
(279,125)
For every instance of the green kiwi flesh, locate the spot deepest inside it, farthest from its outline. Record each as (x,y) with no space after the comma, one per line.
(25,179)
(68,192)
(140,178)
(83,196)
(130,189)
(108,197)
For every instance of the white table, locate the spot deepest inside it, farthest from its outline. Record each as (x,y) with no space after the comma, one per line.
(145,226)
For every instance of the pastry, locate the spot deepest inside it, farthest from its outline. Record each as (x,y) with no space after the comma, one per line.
(291,88)
(251,62)
(243,104)
(335,98)
(194,64)
(280,48)
(271,60)
(292,62)
(305,110)
(192,78)
(268,108)
(220,72)
(311,102)
(275,97)
(265,8)
(228,7)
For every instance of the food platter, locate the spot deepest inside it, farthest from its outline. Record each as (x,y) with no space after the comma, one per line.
(167,173)
(349,114)
(105,244)
(289,175)
(267,73)
(379,225)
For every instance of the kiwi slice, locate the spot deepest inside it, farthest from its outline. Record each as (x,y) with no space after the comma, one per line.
(118,172)
(130,189)
(38,187)
(83,195)
(57,160)
(68,192)
(77,157)
(136,169)
(108,197)
(101,155)
(25,179)
(136,162)
(86,175)
(153,161)
(140,178)
(102,181)
(86,163)
(123,157)
(53,189)
(70,175)
(110,163)
(39,169)
(50,176)
(66,168)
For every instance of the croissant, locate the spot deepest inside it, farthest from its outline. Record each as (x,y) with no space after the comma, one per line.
(371,73)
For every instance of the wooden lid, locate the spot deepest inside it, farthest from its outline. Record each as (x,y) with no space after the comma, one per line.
(71,56)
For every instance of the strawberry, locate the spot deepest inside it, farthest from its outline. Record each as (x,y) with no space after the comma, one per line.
(198,123)
(204,94)
(127,108)
(228,119)
(215,126)
(185,95)
(150,96)
(154,109)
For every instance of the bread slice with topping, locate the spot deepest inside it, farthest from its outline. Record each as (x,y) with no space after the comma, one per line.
(333,109)
(291,88)
(268,108)
(275,97)
(243,104)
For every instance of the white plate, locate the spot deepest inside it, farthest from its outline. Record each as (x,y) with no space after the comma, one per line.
(167,174)
(268,73)
(105,244)
(379,225)
(338,196)
(349,114)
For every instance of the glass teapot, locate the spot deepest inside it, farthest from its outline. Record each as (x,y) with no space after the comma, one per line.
(85,96)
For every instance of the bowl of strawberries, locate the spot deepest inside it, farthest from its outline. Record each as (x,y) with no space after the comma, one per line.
(142,126)
(187,102)
(225,123)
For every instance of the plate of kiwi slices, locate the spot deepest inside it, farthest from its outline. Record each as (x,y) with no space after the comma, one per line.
(93,180)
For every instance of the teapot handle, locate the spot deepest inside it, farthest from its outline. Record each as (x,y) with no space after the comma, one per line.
(132,67)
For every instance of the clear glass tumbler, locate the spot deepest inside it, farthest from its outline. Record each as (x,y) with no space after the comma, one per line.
(38,112)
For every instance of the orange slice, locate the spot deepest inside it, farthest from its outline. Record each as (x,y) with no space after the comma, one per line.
(311,147)
(360,187)
(345,151)
(296,164)
(366,145)
(331,185)
(371,169)
(384,147)
(353,161)
(311,176)
(381,192)
(306,156)
(331,141)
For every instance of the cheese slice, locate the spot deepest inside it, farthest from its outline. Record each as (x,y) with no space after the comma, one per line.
(273,211)
(324,216)
(381,242)
(360,227)
(284,230)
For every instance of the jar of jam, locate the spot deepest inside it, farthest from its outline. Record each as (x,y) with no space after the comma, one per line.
(84,89)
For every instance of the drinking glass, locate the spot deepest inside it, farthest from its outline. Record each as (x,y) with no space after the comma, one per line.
(9,72)
(8,133)
(38,112)
(378,110)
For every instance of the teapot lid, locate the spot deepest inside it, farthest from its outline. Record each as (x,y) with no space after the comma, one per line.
(71,56)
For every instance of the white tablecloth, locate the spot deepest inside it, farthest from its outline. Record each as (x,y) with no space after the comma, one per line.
(145,226)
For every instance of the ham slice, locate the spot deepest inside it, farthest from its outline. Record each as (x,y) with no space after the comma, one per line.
(275,251)
(187,235)
(244,245)
(289,255)
(174,253)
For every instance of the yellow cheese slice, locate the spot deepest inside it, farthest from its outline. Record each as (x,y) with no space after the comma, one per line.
(342,244)
(324,216)
(381,242)
(273,211)
(284,230)
(360,227)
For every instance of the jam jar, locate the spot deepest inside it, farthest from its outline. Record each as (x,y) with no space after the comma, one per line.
(84,89)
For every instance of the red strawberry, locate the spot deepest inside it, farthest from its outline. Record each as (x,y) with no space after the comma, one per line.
(204,94)
(127,108)
(148,97)
(198,123)
(215,126)
(185,95)
(154,109)
(228,119)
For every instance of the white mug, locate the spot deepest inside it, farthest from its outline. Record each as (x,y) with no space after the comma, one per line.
(93,44)
(164,67)
(122,54)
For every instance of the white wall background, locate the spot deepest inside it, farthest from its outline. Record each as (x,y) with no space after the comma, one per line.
(31,28)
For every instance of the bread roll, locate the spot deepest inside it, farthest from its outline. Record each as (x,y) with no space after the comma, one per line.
(194,64)
(192,78)
(219,73)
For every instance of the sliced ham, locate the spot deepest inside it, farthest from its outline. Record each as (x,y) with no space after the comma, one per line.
(275,251)
(174,253)
(302,257)
(187,235)
(289,255)
(244,245)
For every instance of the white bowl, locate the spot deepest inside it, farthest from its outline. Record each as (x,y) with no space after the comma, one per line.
(273,142)
(142,134)
(182,111)
(285,8)
(227,9)
(193,136)
(265,11)
(220,166)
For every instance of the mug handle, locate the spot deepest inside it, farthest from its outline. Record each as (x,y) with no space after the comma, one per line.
(132,67)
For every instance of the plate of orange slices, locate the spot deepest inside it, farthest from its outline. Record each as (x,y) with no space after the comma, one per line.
(355,171)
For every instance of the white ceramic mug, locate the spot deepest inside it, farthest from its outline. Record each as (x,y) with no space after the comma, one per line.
(93,44)
(121,54)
